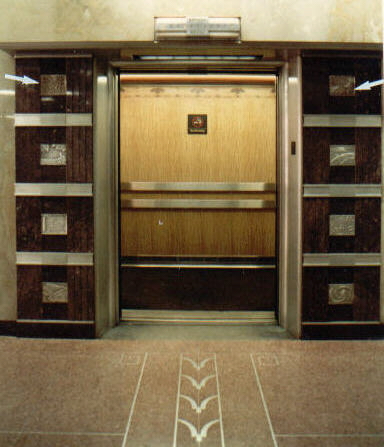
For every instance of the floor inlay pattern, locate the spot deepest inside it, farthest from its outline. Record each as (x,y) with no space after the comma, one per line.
(177,393)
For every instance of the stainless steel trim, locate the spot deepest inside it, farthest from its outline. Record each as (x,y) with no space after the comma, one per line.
(342,259)
(52,119)
(198,204)
(55,321)
(183,65)
(198,266)
(342,120)
(50,258)
(339,323)
(338,190)
(54,189)
(52,55)
(198,78)
(198,186)
(198,317)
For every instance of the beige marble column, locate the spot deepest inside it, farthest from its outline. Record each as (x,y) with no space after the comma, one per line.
(7,201)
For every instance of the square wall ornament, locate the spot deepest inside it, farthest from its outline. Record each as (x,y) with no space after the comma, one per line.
(54,224)
(343,85)
(341,294)
(53,154)
(342,225)
(53,85)
(55,292)
(342,154)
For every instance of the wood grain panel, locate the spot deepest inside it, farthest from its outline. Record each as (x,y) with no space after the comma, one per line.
(368,155)
(81,293)
(28,224)
(198,289)
(165,232)
(79,85)
(79,154)
(28,96)
(28,167)
(316,155)
(315,225)
(368,212)
(240,144)
(80,224)
(316,96)
(315,299)
(29,292)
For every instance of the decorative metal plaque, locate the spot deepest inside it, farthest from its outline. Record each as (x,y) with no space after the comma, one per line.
(342,155)
(53,85)
(53,154)
(55,292)
(197,124)
(342,225)
(341,85)
(54,224)
(341,294)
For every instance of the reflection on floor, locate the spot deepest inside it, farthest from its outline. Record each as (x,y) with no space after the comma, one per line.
(225,390)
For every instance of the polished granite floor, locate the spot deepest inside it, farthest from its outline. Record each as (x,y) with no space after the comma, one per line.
(191,387)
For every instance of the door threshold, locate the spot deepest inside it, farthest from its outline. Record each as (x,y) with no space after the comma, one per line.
(198,317)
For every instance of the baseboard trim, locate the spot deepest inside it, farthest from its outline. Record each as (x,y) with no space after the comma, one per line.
(8,327)
(341,331)
(54,330)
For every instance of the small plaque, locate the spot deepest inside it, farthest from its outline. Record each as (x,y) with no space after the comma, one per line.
(55,292)
(53,154)
(54,224)
(53,85)
(341,85)
(342,225)
(197,124)
(342,155)
(340,294)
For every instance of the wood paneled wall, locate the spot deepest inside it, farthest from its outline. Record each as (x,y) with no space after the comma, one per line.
(65,86)
(329,80)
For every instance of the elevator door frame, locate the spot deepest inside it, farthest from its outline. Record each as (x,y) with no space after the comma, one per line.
(289,181)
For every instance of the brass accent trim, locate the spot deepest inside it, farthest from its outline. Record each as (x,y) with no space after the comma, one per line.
(342,120)
(197,79)
(340,190)
(53,119)
(56,321)
(198,204)
(50,258)
(342,259)
(54,189)
(198,317)
(198,187)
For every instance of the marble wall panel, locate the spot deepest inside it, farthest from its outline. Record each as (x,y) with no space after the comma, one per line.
(7,200)
(280,20)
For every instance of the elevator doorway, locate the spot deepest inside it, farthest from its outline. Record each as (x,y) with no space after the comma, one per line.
(198,193)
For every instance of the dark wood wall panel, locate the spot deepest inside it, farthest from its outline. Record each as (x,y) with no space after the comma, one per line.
(81,293)
(316,94)
(316,236)
(28,95)
(366,302)
(29,292)
(316,158)
(79,148)
(80,305)
(198,289)
(79,154)
(80,233)
(79,84)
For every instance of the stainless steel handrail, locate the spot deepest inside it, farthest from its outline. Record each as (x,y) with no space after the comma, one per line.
(198,187)
(198,204)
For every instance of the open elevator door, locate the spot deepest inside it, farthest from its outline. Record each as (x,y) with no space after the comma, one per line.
(198,195)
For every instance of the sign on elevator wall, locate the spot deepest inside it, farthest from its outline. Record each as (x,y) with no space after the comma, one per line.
(197,124)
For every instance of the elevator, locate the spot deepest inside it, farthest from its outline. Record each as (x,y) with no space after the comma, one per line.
(198,214)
